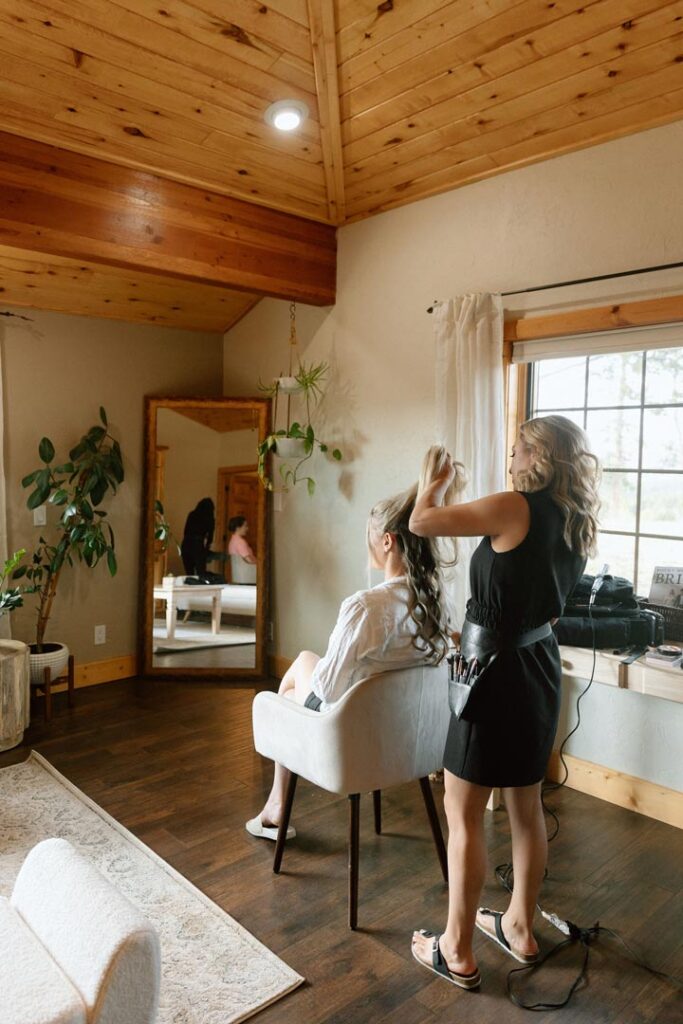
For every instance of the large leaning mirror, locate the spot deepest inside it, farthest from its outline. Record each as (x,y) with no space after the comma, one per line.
(204,586)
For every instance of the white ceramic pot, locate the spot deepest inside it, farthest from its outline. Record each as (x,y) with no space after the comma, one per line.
(53,656)
(288,385)
(290,447)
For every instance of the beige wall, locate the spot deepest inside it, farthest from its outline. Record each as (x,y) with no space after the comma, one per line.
(238,448)
(613,207)
(57,371)
(191,463)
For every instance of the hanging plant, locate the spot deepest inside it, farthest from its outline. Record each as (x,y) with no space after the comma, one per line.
(296,442)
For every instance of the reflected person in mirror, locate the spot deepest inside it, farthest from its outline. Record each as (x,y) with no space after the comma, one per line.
(238,544)
(399,623)
(197,537)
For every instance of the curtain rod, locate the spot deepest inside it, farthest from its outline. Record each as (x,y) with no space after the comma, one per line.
(584,280)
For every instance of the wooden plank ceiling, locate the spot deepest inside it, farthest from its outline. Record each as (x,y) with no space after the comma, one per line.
(407,98)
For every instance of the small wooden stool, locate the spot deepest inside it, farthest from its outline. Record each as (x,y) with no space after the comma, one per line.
(45,688)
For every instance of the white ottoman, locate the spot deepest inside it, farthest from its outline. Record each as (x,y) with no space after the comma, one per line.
(66,921)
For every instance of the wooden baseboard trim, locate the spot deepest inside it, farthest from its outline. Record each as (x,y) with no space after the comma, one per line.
(92,673)
(618,788)
(278,665)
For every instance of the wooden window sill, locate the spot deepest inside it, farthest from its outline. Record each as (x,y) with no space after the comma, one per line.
(641,676)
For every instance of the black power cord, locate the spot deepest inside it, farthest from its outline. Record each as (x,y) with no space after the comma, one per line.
(575,933)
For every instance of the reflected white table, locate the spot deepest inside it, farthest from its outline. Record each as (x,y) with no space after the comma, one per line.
(171,594)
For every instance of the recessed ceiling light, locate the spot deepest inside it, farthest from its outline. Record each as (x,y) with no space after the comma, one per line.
(286,115)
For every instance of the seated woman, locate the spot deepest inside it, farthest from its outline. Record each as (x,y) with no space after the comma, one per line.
(396,624)
(238,544)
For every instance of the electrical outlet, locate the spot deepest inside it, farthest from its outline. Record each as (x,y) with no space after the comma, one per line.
(100,634)
(40,516)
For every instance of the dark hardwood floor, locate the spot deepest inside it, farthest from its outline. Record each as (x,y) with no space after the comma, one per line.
(174,763)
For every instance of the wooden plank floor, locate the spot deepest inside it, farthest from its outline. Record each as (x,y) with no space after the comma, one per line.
(174,763)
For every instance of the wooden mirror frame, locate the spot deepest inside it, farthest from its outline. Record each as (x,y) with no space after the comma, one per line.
(152,405)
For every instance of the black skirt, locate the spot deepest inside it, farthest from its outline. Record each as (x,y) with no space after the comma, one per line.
(505,736)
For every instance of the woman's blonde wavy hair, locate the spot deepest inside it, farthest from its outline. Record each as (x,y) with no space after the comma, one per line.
(421,555)
(564,464)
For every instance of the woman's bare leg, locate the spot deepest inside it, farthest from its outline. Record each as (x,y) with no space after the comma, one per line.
(529,856)
(295,685)
(465,804)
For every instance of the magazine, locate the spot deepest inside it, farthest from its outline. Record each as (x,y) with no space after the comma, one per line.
(667,586)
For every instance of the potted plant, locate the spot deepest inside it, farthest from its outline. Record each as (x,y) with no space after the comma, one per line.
(11,597)
(296,442)
(77,487)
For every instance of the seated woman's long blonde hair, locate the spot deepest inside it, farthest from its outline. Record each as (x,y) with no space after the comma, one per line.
(564,465)
(421,555)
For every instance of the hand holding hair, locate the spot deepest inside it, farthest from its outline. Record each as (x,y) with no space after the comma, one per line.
(441,475)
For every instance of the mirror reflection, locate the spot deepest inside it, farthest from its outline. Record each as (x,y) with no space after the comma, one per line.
(208,532)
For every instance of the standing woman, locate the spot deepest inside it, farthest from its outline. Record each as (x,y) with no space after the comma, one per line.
(536,540)
(197,537)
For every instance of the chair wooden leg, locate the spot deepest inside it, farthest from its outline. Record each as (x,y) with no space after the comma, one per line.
(71,681)
(47,686)
(354,833)
(284,822)
(428,798)
(377,806)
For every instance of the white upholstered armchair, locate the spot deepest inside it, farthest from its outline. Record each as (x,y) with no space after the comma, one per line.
(386,730)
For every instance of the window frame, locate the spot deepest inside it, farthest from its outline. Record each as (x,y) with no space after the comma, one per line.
(519,378)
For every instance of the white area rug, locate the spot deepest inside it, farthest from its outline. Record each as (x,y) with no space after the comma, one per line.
(193,636)
(213,970)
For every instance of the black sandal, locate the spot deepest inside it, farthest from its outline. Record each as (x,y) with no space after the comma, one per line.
(440,967)
(499,937)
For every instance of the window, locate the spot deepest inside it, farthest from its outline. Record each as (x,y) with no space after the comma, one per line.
(631,406)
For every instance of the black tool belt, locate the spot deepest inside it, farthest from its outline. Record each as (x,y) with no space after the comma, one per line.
(480,642)
(479,648)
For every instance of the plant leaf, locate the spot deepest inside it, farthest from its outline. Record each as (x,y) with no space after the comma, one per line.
(111,562)
(310,483)
(76,453)
(28,480)
(336,454)
(46,450)
(103,416)
(38,497)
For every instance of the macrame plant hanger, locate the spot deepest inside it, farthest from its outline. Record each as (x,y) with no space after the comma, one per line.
(293,344)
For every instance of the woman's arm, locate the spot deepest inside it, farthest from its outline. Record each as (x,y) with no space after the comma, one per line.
(332,674)
(504,515)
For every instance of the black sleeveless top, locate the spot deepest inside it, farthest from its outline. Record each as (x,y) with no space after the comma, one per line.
(516,590)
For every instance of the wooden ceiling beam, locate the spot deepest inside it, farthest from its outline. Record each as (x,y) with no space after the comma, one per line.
(324,44)
(65,204)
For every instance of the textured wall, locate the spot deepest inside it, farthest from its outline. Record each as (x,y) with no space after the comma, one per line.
(613,207)
(57,371)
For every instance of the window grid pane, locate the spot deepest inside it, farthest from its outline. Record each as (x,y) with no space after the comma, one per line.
(642,476)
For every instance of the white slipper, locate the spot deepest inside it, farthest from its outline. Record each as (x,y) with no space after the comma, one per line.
(255,828)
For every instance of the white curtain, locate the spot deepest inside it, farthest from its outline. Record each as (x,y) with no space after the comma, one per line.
(470,414)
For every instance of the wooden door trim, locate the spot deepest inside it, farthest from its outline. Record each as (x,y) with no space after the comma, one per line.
(221,473)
